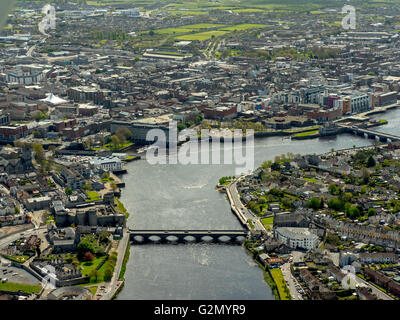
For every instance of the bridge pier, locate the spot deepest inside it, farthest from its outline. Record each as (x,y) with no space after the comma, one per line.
(185,236)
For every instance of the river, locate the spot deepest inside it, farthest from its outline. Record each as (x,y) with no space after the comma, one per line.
(184,197)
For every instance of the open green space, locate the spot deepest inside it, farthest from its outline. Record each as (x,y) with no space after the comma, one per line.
(15,287)
(92,196)
(306,134)
(201,36)
(268,222)
(121,207)
(110,147)
(18,258)
(248,10)
(89,266)
(203,26)
(246,26)
(280,283)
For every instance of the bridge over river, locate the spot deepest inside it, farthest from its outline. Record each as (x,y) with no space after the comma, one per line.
(370,134)
(187,236)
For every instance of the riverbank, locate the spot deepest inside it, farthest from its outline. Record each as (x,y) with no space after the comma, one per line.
(268,278)
(317,134)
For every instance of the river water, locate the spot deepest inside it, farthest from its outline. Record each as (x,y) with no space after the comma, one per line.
(175,196)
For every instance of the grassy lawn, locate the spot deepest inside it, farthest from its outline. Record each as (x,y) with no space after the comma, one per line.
(92,196)
(171,31)
(251,224)
(268,222)
(123,267)
(89,266)
(203,26)
(18,259)
(280,283)
(15,287)
(248,10)
(170,53)
(305,134)
(109,147)
(246,26)
(129,158)
(301,130)
(121,207)
(201,36)
(310,180)
(188,13)
(93,290)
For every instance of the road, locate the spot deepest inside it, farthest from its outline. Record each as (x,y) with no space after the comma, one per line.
(380,294)
(237,203)
(113,285)
(291,282)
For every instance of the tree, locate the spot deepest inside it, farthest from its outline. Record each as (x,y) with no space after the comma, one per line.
(275,166)
(371,162)
(88,256)
(333,189)
(103,236)
(115,142)
(364,172)
(85,245)
(336,204)
(180,126)
(68,191)
(266,164)
(371,212)
(105,176)
(352,211)
(315,203)
(39,153)
(108,275)
(93,275)
(123,133)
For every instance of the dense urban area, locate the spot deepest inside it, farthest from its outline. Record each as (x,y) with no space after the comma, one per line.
(79,98)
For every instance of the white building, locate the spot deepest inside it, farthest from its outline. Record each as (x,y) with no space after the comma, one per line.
(297,237)
(107,164)
(25,74)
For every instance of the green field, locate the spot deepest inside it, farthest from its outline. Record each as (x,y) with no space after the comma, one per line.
(15,287)
(306,134)
(170,53)
(89,266)
(268,222)
(121,207)
(247,10)
(203,26)
(172,30)
(246,26)
(92,196)
(280,283)
(201,36)
(188,13)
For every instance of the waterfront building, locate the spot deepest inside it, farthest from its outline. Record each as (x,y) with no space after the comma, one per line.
(107,163)
(297,237)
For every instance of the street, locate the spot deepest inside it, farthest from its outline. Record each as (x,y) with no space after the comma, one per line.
(291,282)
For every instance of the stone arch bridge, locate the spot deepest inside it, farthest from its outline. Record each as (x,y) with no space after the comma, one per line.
(187,236)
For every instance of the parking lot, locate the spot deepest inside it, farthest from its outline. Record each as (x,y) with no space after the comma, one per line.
(16,275)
